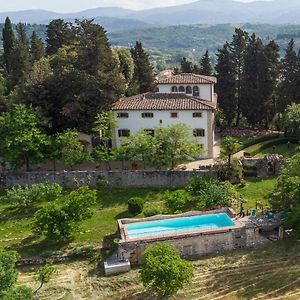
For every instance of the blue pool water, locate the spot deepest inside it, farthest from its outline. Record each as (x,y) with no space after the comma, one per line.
(178,225)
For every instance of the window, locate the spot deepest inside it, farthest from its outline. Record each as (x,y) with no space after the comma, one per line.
(174,115)
(196,91)
(124,132)
(181,89)
(147,115)
(122,115)
(189,90)
(174,89)
(199,132)
(197,115)
(150,131)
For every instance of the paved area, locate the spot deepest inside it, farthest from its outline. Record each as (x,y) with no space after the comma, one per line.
(204,162)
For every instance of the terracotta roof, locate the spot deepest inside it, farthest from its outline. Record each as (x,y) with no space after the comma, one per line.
(162,101)
(188,78)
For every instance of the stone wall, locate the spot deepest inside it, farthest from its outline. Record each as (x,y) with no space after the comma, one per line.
(114,179)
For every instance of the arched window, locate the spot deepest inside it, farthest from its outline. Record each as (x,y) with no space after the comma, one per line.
(188,90)
(196,91)
(181,89)
(174,89)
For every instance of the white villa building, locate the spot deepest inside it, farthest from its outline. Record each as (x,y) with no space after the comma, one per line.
(181,99)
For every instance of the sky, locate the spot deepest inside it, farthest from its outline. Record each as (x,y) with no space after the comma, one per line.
(78,5)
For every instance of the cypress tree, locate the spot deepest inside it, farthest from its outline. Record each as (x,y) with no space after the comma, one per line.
(288,85)
(205,65)
(257,85)
(226,84)
(21,56)
(37,48)
(237,49)
(9,42)
(143,77)
(186,66)
(272,54)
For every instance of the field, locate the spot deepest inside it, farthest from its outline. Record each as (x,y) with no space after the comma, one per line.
(267,272)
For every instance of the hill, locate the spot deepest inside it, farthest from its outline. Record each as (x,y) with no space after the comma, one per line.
(198,12)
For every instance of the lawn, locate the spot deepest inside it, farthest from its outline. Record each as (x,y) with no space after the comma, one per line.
(101,229)
(15,225)
(257,190)
(267,272)
(280,149)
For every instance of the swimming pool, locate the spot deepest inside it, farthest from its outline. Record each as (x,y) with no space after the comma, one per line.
(177,225)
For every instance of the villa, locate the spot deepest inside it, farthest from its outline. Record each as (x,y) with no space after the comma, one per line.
(180,99)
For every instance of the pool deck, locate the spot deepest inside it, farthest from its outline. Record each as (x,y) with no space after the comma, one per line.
(125,237)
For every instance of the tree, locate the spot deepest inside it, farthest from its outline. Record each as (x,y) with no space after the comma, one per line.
(44,274)
(175,144)
(291,118)
(19,293)
(61,219)
(22,140)
(163,271)
(205,65)
(8,272)
(237,51)
(3,99)
(9,42)
(226,84)
(37,48)
(125,64)
(104,126)
(211,193)
(287,194)
(59,33)
(288,85)
(21,57)
(186,66)
(139,146)
(71,149)
(229,147)
(143,77)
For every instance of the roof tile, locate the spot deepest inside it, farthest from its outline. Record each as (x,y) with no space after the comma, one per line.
(163,101)
(188,78)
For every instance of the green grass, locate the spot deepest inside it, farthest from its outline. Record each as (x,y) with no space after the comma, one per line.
(257,190)
(101,229)
(15,225)
(280,149)
(264,148)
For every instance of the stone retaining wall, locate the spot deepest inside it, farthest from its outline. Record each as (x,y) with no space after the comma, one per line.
(114,179)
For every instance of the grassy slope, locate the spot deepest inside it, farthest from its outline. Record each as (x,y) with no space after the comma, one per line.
(266,272)
(100,229)
(15,231)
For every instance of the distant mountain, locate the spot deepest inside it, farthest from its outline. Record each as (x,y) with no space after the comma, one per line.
(198,12)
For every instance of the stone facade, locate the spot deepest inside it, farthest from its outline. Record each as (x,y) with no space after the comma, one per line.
(114,179)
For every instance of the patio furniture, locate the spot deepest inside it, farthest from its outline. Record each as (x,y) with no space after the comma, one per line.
(253,213)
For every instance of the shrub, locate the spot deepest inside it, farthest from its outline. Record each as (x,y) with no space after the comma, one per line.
(234,174)
(25,196)
(152,211)
(163,271)
(211,193)
(61,219)
(175,200)
(135,205)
